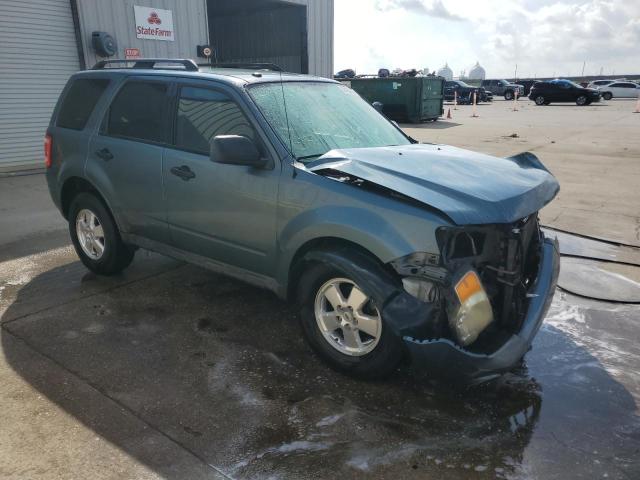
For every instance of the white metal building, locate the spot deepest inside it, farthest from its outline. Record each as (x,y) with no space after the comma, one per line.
(477,72)
(42,42)
(446,72)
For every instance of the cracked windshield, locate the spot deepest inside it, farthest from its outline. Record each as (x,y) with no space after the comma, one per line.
(313,118)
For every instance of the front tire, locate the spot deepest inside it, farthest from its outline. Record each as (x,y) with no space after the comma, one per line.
(508,95)
(540,100)
(343,324)
(95,236)
(582,100)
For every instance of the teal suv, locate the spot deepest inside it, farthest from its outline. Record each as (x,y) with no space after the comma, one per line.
(396,251)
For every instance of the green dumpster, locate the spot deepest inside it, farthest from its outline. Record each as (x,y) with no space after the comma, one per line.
(413,99)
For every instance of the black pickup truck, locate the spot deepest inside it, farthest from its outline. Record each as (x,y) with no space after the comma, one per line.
(464,92)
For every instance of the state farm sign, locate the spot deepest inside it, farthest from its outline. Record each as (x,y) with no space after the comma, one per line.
(153,23)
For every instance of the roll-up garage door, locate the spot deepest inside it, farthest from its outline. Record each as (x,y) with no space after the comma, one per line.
(38,53)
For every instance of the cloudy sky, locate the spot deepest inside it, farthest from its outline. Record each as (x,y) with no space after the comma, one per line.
(543,37)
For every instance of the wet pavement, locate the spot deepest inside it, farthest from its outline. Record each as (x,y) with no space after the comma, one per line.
(219,377)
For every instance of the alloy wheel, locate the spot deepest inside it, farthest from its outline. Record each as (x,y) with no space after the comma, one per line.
(347,317)
(90,234)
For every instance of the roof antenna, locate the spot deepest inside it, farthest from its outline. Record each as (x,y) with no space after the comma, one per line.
(286,115)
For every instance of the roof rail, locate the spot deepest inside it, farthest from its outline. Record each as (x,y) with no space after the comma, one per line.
(246,66)
(188,64)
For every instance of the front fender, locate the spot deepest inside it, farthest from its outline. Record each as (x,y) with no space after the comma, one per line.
(404,314)
(364,228)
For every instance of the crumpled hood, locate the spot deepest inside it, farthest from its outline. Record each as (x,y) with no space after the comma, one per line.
(469,187)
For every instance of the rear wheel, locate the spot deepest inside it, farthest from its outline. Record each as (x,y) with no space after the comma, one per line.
(540,100)
(508,95)
(95,236)
(607,95)
(344,325)
(582,100)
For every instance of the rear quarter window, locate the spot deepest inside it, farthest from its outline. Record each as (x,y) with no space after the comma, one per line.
(79,102)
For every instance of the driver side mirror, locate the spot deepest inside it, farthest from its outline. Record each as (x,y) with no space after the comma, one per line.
(235,150)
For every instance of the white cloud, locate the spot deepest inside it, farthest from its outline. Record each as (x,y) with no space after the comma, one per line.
(543,37)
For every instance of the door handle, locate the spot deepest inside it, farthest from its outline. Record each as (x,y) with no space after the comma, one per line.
(184,172)
(105,154)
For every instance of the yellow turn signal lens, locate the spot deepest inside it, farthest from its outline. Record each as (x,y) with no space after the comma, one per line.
(468,286)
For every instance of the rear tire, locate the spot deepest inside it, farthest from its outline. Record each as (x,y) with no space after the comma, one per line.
(95,236)
(381,350)
(607,95)
(540,100)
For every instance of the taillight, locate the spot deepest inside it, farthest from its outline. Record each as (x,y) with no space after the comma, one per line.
(48,145)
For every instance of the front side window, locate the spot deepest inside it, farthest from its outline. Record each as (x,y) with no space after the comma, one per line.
(79,102)
(312,118)
(203,114)
(139,112)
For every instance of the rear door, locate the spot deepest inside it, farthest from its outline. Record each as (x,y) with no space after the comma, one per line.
(125,155)
(624,90)
(223,212)
(560,92)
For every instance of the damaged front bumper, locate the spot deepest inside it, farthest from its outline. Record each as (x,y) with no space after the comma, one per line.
(443,356)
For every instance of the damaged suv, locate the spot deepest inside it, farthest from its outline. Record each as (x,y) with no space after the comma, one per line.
(395,250)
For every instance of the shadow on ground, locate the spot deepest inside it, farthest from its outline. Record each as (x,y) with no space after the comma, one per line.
(220,369)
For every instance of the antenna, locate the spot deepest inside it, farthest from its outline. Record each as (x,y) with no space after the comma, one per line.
(286,115)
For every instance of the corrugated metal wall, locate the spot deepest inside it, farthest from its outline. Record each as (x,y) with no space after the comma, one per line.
(38,52)
(248,33)
(272,35)
(320,35)
(116,18)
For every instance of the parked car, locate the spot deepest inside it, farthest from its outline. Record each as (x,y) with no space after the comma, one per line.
(503,88)
(294,183)
(485,95)
(460,90)
(599,83)
(544,93)
(619,90)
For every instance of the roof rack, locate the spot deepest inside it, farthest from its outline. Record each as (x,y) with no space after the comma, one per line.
(245,66)
(188,64)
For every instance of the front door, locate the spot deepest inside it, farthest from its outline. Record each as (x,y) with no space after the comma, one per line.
(223,212)
(125,156)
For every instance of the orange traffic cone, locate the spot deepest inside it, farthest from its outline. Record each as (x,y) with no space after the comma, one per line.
(449,113)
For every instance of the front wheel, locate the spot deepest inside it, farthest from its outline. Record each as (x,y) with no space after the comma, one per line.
(344,325)
(508,95)
(95,236)
(540,100)
(581,100)
(607,95)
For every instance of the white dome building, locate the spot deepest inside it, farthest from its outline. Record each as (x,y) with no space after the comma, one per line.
(446,72)
(477,72)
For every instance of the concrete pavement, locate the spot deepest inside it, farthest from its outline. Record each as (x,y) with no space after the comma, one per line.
(170,371)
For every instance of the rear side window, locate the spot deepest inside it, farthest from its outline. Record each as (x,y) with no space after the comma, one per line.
(80,101)
(203,114)
(139,112)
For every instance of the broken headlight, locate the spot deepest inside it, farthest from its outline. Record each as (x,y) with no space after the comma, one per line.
(473,313)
